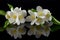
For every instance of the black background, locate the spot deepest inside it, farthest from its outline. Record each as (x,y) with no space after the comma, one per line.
(52,5)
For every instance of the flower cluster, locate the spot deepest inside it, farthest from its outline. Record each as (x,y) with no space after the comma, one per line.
(16,16)
(39,22)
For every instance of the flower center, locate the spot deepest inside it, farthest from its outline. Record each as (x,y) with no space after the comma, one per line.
(32,17)
(40,14)
(14,16)
(38,19)
(7,16)
(20,17)
(48,15)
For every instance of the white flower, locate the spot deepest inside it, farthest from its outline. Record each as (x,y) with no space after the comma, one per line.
(33,18)
(45,14)
(16,16)
(16,32)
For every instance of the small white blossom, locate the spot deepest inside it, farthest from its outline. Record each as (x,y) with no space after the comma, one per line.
(16,16)
(33,18)
(45,14)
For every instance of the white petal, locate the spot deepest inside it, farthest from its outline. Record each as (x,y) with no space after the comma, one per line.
(45,11)
(42,17)
(35,13)
(28,19)
(24,13)
(22,20)
(16,9)
(30,12)
(9,13)
(17,21)
(50,18)
(20,8)
(11,9)
(11,20)
(37,23)
(33,21)
(39,8)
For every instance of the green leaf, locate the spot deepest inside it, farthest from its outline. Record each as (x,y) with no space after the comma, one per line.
(2,12)
(6,24)
(55,21)
(10,6)
(55,28)
(33,10)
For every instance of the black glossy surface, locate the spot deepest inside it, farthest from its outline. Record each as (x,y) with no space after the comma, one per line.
(52,5)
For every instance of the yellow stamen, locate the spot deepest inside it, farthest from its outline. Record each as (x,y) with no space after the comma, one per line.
(7,16)
(40,13)
(14,16)
(32,17)
(38,19)
(20,17)
(48,15)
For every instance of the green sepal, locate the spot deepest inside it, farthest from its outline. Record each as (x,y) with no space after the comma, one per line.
(55,21)
(10,6)
(6,24)
(2,12)
(56,24)
(33,10)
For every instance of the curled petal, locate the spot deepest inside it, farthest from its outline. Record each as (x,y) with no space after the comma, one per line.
(46,11)
(24,13)
(39,8)
(28,19)
(22,20)
(30,12)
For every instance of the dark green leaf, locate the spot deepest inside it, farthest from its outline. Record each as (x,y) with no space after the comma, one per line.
(10,6)
(6,24)
(55,21)
(55,28)
(2,12)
